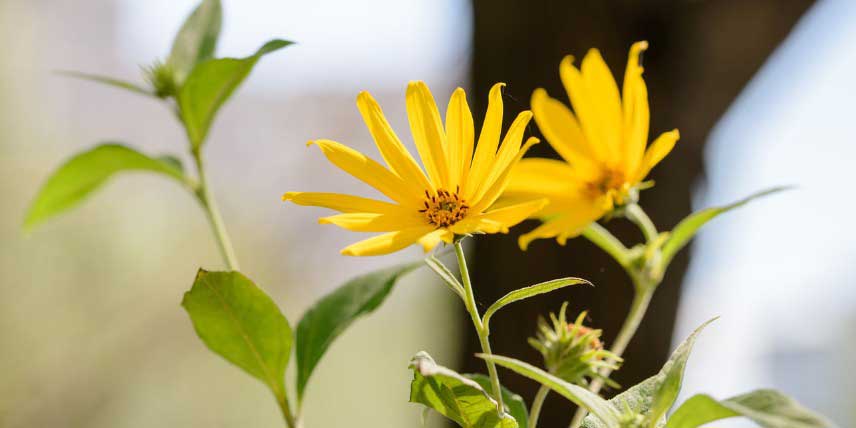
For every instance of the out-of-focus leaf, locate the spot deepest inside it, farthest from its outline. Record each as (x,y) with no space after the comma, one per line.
(329,317)
(767,408)
(116,83)
(210,84)
(514,404)
(239,322)
(86,171)
(197,39)
(687,228)
(598,407)
(527,292)
(651,395)
(454,396)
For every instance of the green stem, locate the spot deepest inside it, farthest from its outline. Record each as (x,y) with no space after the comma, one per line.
(537,402)
(607,242)
(206,199)
(285,407)
(638,216)
(470,303)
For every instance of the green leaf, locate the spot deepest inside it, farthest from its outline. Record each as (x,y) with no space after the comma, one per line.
(239,322)
(687,228)
(210,84)
(121,84)
(527,292)
(447,276)
(656,392)
(767,408)
(580,396)
(331,315)
(514,404)
(197,39)
(454,396)
(85,172)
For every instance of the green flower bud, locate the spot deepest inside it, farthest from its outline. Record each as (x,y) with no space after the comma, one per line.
(162,78)
(572,351)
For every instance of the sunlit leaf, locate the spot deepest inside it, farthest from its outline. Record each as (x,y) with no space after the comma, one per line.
(197,39)
(239,322)
(767,408)
(454,396)
(688,227)
(329,317)
(210,84)
(527,292)
(116,83)
(580,396)
(85,172)
(514,404)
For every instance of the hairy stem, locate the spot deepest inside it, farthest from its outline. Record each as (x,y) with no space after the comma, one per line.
(470,303)
(206,199)
(537,403)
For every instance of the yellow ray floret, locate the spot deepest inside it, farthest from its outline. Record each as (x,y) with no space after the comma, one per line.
(455,193)
(602,142)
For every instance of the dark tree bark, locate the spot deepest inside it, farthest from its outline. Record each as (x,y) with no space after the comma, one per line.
(701,54)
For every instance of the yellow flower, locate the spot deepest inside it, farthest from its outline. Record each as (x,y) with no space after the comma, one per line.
(603,144)
(462,182)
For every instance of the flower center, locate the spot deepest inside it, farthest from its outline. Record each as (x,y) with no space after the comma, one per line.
(444,208)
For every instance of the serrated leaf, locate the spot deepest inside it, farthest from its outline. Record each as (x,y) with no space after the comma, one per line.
(239,322)
(196,41)
(687,228)
(767,408)
(597,406)
(210,84)
(109,81)
(514,403)
(454,396)
(329,317)
(531,291)
(643,397)
(85,172)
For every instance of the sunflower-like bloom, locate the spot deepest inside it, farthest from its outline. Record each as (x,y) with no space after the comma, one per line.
(603,144)
(456,195)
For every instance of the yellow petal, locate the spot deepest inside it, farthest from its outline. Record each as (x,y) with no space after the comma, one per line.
(340,202)
(607,102)
(499,220)
(459,134)
(390,147)
(657,151)
(387,242)
(431,240)
(636,113)
(562,131)
(565,226)
(371,222)
(585,107)
(507,154)
(501,182)
(539,176)
(368,171)
(427,132)
(488,142)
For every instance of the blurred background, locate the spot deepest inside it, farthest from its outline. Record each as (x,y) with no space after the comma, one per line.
(91,332)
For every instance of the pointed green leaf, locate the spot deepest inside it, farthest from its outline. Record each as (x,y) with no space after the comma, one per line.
(117,83)
(580,396)
(527,292)
(210,84)
(85,172)
(514,404)
(197,39)
(454,396)
(767,408)
(239,322)
(658,391)
(329,317)
(448,277)
(687,228)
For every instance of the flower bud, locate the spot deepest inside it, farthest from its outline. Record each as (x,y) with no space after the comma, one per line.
(162,79)
(572,351)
